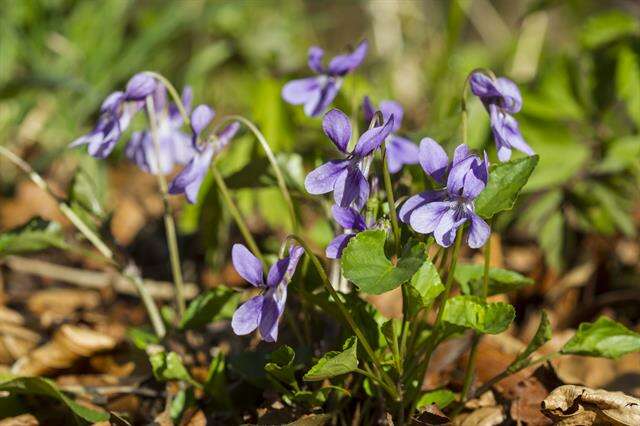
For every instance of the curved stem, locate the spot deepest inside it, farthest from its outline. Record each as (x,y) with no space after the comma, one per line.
(235,212)
(272,159)
(173,93)
(169,224)
(345,312)
(93,238)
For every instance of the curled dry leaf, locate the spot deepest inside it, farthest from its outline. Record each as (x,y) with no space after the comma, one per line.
(69,344)
(21,420)
(569,403)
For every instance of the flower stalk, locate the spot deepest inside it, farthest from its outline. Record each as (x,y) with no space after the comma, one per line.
(169,224)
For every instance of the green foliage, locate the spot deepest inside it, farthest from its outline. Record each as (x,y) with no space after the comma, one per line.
(604,338)
(628,81)
(471,312)
(212,305)
(280,365)
(440,397)
(35,235)
(88,188)
(471,276)
(335,363)
(215,385)
(184,399)
(44,387)
(424,287)
(366,265)
(542,336)
(141,338)
(608,26)
(169,366)
(505,182)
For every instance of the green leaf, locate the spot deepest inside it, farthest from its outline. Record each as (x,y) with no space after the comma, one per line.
(621,154)
(542,336)
(628,82)
(551,240)
(142,338)
(604,338)
(182,401)
(281,366)
(440,397)
(215,385)
(427,283)
(609,202)
(472,312)
(45,387)
(35,235)
(169,366)
(209,306)
(335,363)
(471,276)
(86,191)
(311,420)
(365,264)
(608,26)
(505,182)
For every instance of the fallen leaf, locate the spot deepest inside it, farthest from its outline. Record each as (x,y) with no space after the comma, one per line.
(486,416)
(570,403)
(21,420)
(56,304)
(69,344)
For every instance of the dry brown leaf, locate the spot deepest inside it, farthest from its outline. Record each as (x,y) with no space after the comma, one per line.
(29,201)
(196,418)
(525,408)
(486,416)
(388,304)
(56,304)
(597,406)
(432,415)
(128,220)
(21,420)
(69,344)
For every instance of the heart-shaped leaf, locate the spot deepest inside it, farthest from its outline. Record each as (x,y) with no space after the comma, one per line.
(366,265)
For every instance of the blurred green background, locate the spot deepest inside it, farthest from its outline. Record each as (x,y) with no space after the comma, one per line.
(577,63)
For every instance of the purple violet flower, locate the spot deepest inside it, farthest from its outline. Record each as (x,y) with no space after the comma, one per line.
(352,222)
(175,145)
(189,180)
(317,93)
(116,113)
(263,311)
(501,98)
(344,177)
(443,211)
(400,151)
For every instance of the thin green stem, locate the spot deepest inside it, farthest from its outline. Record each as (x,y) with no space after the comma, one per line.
(272,159)
(388,187)
(235,212)
(345,312)
(471,365)
(93,238)
(376,380)
(173,93)
(433,338)
(169,224)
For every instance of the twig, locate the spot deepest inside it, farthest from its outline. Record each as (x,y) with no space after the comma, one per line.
(159,290)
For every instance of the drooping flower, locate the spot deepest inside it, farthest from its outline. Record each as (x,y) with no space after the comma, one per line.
(444,210)
(175,146)
(344,177)
(263,311)
(501,98)
(352,222)
(400,151)
(189,180)
(317,93)
(116,113)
